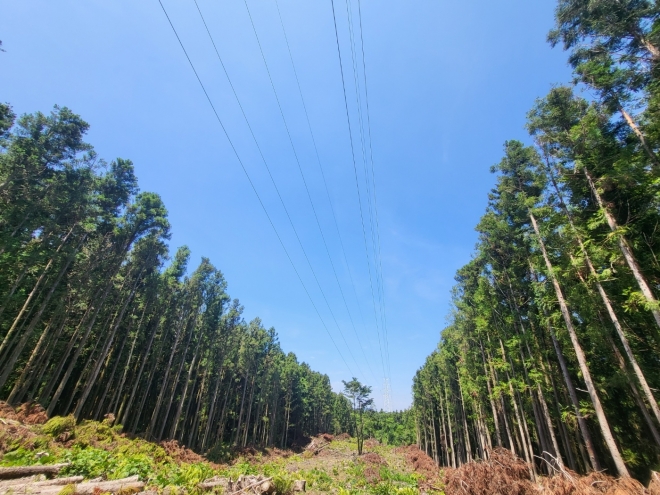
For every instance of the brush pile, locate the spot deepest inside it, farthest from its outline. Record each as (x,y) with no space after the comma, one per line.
(255,485)
(505,474)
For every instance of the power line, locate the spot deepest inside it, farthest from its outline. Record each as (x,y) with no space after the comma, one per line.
(350,133)
(217,52)
(327,191)
(358,101)
(247,175)
(373,176)
(302,175)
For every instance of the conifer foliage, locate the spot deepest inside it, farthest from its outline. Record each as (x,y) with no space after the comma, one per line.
(553,348)
(95,317)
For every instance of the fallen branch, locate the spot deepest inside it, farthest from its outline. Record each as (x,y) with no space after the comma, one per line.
(23,471)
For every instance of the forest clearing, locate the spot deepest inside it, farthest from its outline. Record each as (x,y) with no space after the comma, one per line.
(60,457)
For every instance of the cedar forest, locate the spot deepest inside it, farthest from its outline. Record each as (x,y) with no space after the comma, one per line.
(553,345)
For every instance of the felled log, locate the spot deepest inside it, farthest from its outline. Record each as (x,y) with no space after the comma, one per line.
(214,482)
(23,471)
(39,481)
(126,484)
(89,488)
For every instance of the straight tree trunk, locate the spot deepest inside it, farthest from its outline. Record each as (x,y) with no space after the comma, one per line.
(605,298)
(633,388)
(626,251)
(33,292)
(582,361)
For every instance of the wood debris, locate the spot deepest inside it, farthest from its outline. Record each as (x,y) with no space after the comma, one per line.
(254,485)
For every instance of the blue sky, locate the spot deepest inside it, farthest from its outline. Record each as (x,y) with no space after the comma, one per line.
(448,83)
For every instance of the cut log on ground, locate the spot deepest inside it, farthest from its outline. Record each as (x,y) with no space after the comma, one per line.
(215,482)
(7,473)
(34,481)
(131,484)
(39,481)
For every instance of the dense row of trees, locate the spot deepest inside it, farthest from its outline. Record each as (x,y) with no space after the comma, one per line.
(95,318)
(553,349)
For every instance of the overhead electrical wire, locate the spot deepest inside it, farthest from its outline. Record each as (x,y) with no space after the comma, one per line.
(325,184)
(374,225)
(357,185)
(373,180)
(254,189)
(302,174)
(358,102)
(247,121)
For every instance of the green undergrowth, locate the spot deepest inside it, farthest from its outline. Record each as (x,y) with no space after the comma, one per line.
(96,449)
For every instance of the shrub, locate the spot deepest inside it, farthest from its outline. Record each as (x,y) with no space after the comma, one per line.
(58,425)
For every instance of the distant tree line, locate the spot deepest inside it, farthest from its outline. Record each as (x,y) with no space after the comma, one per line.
(95,317)
(553,350)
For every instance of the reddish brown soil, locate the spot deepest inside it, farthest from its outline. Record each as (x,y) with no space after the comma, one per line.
(343,436)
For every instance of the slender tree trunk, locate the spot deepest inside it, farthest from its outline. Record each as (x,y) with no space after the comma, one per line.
(104,353)
(18,389)
(177,415)
(466,432)
(633,388)
(451,434)
(193,437)
(124,414)
(519,419)
(34,291)
(209,420)
(626,251)
(175,384)
(13,288)
(240,413)
(76,355)
(582,361)
(605,298)
(154,415)
(633,126)
(498,436)
(248,413)
(111,379)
